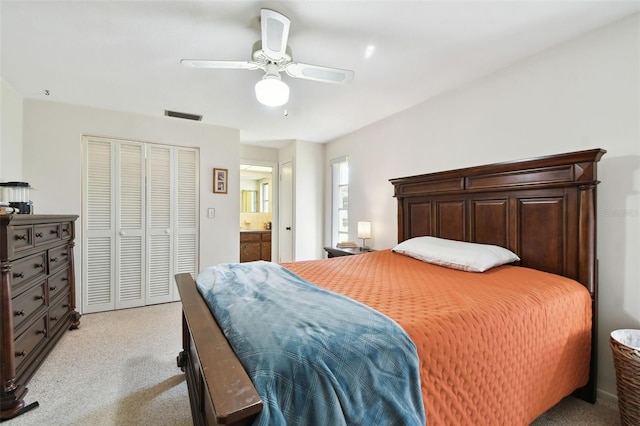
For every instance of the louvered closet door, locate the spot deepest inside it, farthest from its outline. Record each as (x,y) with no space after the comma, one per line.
(130,226)
(172,218)
(140,227)
(114,225)
(98,227)
(159,224)
(186,221)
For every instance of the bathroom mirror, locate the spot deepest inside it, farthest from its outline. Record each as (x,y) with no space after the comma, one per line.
(255,189)
(249,201)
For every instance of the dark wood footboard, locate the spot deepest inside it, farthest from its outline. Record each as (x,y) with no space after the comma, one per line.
(220,391)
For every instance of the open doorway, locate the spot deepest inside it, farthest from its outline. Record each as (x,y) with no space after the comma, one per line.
(258,210)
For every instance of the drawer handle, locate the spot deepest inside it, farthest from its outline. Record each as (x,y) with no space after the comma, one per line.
(53,318)
(38,234)
(43,331)
(54,231)
(21,353)
(18,275)
(64,279)
(65,305)
(54,259)
(19,313)
(21,237)
(53,288)
(64,253)
(38,265)
(41,297)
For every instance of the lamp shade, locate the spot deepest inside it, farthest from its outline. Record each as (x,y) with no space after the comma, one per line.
(272,91)
(364,229)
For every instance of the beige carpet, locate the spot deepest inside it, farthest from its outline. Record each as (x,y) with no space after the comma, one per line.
(120,368)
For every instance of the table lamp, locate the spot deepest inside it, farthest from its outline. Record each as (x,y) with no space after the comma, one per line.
(364,232)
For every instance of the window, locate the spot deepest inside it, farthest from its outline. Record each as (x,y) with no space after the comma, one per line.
(339,200)
(264,197)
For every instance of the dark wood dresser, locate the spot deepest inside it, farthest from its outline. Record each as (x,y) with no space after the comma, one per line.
(38,298)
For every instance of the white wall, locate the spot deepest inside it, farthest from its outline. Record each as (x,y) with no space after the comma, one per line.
(308,193)
(10,133)
(258,153)
(52,153)
(309,177)
(580,95)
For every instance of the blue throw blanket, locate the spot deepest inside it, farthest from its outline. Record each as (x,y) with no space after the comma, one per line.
(315,357)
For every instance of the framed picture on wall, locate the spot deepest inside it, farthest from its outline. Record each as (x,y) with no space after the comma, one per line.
(220,181)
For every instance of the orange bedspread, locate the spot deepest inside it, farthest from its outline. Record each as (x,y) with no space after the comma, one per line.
(496,348)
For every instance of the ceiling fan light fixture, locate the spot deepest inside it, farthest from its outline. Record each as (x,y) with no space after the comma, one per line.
(272,91)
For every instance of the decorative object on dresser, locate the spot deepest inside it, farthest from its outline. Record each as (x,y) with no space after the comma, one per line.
(38,298)
(345,251)
(15,197)
(255,245)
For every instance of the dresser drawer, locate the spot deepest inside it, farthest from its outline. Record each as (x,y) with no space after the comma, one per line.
(66,228)
(46,232)
(25,269)
(59,311)
(27,303)
(58,257)
(22,238)
(28,341)
(58,283)
(266,236)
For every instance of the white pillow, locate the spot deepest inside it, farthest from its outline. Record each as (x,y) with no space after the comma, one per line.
(472,257)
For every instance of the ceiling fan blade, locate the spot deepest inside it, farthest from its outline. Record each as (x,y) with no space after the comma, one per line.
(201,63)
(318,73)
(275,32)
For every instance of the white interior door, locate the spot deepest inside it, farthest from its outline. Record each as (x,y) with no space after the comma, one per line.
(186,217)
(130,225)
(98,227)
(140,222)
(159,224)
(113,225)
(172,233)
(285,228)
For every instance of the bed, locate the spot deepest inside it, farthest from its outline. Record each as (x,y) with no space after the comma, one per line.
(542,209)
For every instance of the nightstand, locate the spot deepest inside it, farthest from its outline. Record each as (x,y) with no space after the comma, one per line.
(345,251)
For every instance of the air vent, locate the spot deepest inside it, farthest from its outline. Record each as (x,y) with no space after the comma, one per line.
(183,115)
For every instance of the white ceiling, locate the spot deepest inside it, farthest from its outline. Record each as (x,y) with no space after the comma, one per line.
(125,55)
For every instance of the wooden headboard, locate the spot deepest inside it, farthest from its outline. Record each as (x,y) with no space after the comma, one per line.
(543,209)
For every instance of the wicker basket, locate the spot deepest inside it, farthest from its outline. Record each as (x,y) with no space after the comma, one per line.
(625,346)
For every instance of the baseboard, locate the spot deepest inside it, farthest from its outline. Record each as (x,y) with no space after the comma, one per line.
(606,396)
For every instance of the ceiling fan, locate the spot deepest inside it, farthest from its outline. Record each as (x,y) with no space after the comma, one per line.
(272,55)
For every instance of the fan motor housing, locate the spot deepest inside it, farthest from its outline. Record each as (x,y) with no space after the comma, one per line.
(260,57)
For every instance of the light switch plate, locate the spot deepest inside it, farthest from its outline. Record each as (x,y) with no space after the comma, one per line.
(211,213)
